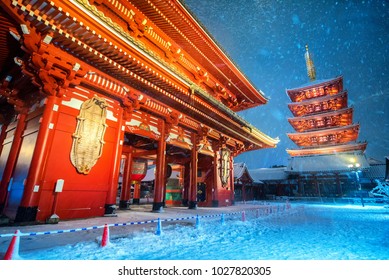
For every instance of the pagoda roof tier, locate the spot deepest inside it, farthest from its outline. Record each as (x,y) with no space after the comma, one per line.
(342,117)
(351,147)
(125,53)
(326,137)
(328,163)
(316,89)
(319,105)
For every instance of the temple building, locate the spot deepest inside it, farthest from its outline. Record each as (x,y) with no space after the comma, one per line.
(328,152)
(93,93)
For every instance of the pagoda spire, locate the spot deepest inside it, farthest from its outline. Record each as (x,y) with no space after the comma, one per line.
(310,66)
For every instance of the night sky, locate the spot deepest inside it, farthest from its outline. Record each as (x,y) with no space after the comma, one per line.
(266,39)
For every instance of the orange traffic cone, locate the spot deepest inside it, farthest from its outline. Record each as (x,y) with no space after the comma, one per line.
(13,248)
(105,238)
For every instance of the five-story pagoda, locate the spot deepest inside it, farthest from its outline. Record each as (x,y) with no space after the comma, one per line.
(325,132)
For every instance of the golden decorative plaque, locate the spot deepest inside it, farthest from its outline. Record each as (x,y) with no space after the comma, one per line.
(88,140)
(225,166)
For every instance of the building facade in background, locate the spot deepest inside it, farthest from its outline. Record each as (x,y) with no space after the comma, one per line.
(94,92)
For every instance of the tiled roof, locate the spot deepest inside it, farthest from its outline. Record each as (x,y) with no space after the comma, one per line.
(269,174)
(240,169)
(327,163)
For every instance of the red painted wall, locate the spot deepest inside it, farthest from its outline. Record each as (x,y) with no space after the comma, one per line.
(82,195)
(221,193)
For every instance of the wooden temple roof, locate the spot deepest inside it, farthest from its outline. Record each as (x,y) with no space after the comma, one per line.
(130,48)
(331,161)
(348,147)
(177,22)
(342,117)
(325,137)
(319,105)
(315,89)
(242,174)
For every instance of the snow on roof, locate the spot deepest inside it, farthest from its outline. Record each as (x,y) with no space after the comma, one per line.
(376,171)
(373,161)
(327,163)
(269,174)
(239,170)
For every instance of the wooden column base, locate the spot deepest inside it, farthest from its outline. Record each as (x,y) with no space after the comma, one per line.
(185,202)
(124,204)
(26,214)
(158,207)
(192,205)
(110,210)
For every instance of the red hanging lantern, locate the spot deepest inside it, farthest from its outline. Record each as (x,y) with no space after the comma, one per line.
(139,169)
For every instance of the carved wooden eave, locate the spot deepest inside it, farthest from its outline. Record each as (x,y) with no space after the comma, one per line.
(342,117)
(157,44)
(175,20)
(328,150)
(324,137)
(180,143)
(16,92)
(316,89)
(123,63)
(319,105)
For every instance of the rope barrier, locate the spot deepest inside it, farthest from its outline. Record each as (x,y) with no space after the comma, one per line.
(267,208)
(13,248)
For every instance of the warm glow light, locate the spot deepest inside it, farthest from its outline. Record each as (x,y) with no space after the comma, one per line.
(354,165)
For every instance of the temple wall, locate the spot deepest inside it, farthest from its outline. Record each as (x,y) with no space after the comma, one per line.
(83,195)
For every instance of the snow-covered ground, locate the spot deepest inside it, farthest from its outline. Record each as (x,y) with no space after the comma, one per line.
(306,232)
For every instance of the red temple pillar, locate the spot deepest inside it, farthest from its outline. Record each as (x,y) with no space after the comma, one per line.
(110,203)
(165,183)
(232,187)
(160,172)
(192,204)
(126,183)
(185,194)
(11,159)
(28,208)
(136,198)
(3,134)
(215,200)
